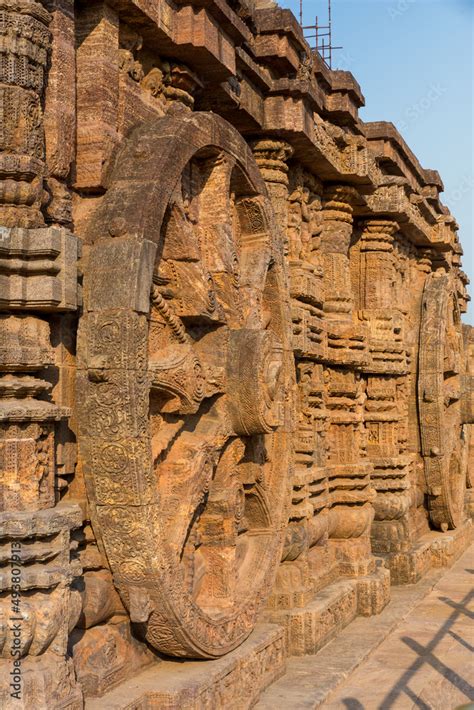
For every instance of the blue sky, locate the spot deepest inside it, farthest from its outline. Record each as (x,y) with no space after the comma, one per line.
(414,61)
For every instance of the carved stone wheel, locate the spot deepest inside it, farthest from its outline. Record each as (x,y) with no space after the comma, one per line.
(439,398)
(184,384)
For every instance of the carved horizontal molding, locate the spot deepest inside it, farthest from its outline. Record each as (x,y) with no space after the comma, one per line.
(38,269)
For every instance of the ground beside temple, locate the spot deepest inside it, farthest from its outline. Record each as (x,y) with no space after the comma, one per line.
(417,654)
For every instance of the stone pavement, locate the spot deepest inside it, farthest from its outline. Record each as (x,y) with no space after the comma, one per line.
(416,654)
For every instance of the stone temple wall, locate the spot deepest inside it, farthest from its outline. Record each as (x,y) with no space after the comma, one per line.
(235,390)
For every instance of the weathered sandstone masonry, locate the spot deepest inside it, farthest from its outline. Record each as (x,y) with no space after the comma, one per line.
(236,396)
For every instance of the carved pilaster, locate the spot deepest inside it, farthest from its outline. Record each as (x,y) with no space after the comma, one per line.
(383,283)
(468,413)
(310,490)
(306,536)
(349,472)
(27,420)
(380,286)
(336,236)
(378,264)
(306,287)
(272,157)
(385,421)
(304,218)
(350,489)
(24,49)
(97,57)
(37,609)
(38,275)
(35,569)
(424,261)
(60,111)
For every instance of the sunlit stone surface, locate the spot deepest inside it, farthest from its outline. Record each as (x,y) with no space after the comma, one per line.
(236,395)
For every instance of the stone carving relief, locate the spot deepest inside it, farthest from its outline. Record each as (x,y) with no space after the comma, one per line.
(183,382)
(270,387)
(439,401)
(26,41)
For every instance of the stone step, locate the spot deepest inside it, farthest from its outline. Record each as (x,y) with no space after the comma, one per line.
(299,656)
(309,628)
(309,680)
(426,662)
(235,681)
(434,549)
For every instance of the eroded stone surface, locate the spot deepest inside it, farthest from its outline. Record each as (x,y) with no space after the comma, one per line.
(271,387)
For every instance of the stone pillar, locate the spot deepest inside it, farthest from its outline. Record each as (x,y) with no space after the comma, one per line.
(292,585)
(335,242)
(38,277)
(348,469)
(272,157)
(378,265)
(385,413)
(24,48)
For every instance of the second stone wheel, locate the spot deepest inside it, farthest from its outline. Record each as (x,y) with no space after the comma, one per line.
(439,401)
